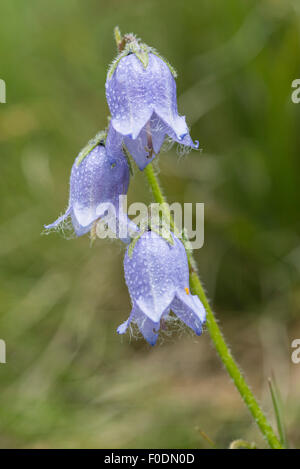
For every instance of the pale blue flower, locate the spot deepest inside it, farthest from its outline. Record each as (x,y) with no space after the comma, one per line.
(98,178)
(143,104)
(157,276)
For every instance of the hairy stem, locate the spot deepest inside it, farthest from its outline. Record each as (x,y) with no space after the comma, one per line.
(213,328)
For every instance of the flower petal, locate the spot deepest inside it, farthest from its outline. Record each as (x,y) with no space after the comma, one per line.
(148,143)
(122,329)
(113,143)
(177,127)
(84,214)
(134,92)
(60,220)
(147,274)
(79,230)
(190,310)
(185,140)
(138,150)
(129,97)
(148,328)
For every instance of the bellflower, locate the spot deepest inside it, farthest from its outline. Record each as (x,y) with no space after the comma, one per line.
(141,95)
(157,276)
(100,174)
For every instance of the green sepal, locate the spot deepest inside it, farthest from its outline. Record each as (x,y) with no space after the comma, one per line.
(99,137)
(133,243)
(115,62)
(161,231)
(143,55)
(128,158)
(164,233)
(171,68)
(132,45)
(118,36)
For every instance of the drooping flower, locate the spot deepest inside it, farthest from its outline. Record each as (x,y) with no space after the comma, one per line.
(141,95)
(99,175)
(157,276)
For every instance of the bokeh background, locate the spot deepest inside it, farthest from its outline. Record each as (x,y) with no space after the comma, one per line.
(70,380)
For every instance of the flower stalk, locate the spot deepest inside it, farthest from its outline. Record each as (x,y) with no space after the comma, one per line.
(213,328)
(160,270)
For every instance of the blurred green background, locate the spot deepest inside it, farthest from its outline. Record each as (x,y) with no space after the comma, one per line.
(70,380)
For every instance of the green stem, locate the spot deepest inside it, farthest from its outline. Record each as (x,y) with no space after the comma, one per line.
(214,330)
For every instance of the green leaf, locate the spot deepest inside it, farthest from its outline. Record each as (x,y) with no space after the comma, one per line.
(277,404)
